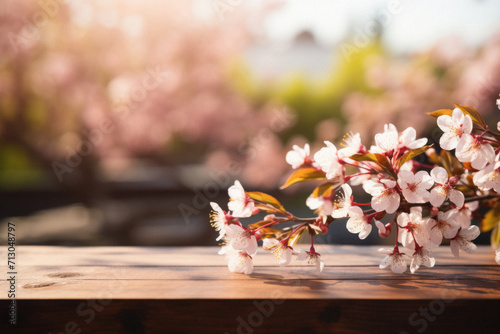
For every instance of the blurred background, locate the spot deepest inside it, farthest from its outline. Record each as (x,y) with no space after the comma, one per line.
(121,120)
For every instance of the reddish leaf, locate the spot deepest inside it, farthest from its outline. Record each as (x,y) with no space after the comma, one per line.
(473,113)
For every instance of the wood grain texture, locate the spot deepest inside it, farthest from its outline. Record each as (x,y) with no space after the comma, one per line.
(190,290)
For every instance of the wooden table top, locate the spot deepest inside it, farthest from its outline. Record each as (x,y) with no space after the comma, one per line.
(51,272)
(190,290)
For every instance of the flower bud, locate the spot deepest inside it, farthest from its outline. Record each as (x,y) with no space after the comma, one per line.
(386,233)
(324,228)
(430,151)
(270,217)
(453,181)
(434,211)
(255,211)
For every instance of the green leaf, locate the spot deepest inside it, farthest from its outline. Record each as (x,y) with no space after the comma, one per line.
(267,199)
(412,154)
(440,112)
(491,219)
(473,113)
(304,174)
(495,237)
(378,158)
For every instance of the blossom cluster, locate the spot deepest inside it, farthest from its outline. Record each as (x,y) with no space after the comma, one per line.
(422,201)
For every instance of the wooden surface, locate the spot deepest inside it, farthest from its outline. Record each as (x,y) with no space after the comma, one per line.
(182,290)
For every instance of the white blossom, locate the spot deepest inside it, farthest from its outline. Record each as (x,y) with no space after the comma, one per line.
(413,228)
(328,160)
(464,215)
(489,177)
(414,186)
(342,201)
(218,219)
(390,139)
(281,251)
(312,258)
(445,225)
(320,203)
(423,256)
(443,189)
(462,242)
(384,195)
(409,139)
(298,156)
(473,149)
(358,222)
(238,261)
(240,203)
(454,127)
(352,145)
(242,239)
(397,261)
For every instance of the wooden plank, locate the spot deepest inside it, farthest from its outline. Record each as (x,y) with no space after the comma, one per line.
(35,273)
(186,290)
(150,273)
(255,316)
(263,287)
(207,256)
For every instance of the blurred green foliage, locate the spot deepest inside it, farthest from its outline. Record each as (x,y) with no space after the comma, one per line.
(311,100)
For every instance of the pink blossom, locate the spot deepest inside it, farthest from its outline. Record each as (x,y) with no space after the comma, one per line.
(413,228)
(445,225)
(397,261)
(328,160)
(453,127)
(463,240)
(489,177)
(443,189)
(240,203)
(423,256)
(464,215)
(414,186)
(298,156)
(342,201)
(241,239)
(322,204)
(358,222)
(473,149)
(281,251)
(238,261)
(384,195)
(218,218)
(312,257)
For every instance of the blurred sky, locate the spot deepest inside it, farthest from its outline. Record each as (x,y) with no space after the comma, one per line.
(416,24)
